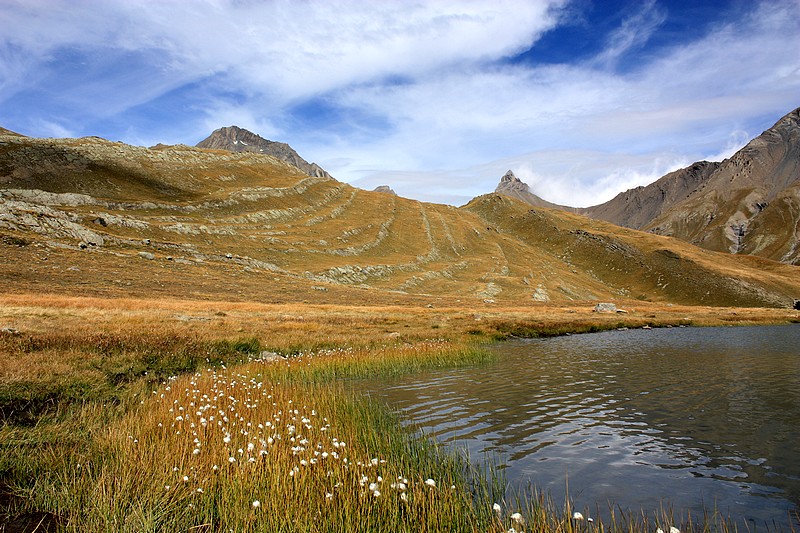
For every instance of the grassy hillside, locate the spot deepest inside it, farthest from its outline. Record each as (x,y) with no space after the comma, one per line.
(104,218)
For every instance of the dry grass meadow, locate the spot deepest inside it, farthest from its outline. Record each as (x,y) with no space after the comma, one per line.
(178,415)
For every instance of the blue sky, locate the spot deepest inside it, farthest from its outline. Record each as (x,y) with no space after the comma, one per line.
(581,98)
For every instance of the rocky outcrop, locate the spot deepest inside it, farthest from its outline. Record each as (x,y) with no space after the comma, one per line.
(511,185)
(236,139)
(385,189)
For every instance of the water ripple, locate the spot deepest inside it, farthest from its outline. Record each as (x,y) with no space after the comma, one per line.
(678,415)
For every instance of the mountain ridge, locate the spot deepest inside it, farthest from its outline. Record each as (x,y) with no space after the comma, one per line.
(746,204)
(236,139)
(95,217)
(511,185)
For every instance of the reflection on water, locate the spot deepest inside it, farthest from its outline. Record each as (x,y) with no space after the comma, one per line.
(682,417)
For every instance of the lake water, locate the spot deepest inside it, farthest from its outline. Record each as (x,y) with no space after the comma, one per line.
(688,418)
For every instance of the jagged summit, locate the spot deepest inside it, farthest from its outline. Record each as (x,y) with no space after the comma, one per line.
(384,188)
(511,185)
(236,139)
(510,182)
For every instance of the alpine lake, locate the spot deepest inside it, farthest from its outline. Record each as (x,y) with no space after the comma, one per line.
(691,420)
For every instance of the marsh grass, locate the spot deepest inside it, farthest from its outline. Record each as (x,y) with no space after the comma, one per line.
(91,392)
(203,448)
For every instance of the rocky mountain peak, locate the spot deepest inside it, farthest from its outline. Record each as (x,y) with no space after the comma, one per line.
(236,139)
(510,181)
(385,189)
(511,185)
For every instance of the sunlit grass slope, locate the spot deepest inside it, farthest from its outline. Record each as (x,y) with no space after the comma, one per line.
(105,218)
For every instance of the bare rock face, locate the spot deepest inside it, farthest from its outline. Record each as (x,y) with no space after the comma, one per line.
(748,204)
(385,189)
(236,139)
(636,208)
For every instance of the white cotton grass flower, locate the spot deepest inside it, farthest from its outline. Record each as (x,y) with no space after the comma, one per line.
(517,517)
(497,509)
(431,483)
(256,504)
(577,516)
(674,529)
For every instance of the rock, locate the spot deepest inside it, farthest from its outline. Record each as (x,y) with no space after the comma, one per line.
(605,307)
(269,357)
(236,139)
(385,189)
(540,294)
(488,301)
(146,255)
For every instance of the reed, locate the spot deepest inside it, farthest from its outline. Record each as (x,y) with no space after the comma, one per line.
(178,416)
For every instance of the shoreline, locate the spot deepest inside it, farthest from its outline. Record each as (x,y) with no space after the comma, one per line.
(76,375)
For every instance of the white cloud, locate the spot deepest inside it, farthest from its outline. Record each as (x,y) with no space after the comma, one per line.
(452,116)
(588,132)
(53,129)
(633,33)
(284,49)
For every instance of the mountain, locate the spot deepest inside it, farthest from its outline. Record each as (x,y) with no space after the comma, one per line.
(636,208)
(747,204)
(236,139)
(93,217)
(510,185)
(385,189)
(750,203)
(4,131)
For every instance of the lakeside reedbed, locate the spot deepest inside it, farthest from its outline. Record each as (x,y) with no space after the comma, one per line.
(178,416)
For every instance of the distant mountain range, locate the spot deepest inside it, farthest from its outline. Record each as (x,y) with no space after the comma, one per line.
(747,204)
(244,218)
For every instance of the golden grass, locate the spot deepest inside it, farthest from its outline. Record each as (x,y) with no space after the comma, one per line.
(106,381)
